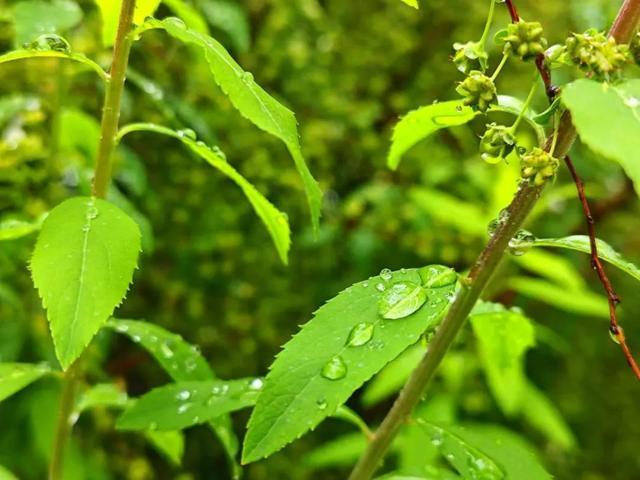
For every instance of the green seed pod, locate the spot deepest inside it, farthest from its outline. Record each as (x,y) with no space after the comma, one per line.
(593,51)
(538,166)
(470,56)
(525,39)
(478,90)
(497,143)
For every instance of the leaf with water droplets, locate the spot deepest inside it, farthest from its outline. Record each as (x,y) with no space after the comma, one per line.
(275,221)
(424,122)
(504,336)
(402,299)
(607,118)
(486,452)
(251,100)
(183,362)
(32,18)
(287,406)
(82,266)
(184,404)
(581,243)
(24,54)
(16,376)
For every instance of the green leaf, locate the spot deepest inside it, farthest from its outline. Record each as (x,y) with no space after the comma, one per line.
(12,229)
(230,18)
(250,100)
(581,243)
(6,474)
(82,266)
(75,57)
(554,267)
(329,358)
(183,362)
(110,13)
(411,3)
(188,14)
(101,395)
(35,17)
(184,404)
(170,444)
(16,376)
(275,221)
(581,302)
(423,122)
(479,450)
(607,118)
(542,414)
(504,336)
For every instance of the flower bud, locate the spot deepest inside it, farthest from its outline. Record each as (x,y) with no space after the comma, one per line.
(593,51)
(538,166)
(497,143)
(525,39)
(478,90)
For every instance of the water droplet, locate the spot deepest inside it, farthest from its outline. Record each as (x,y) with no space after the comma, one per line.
(187,133)
(184,407)
(86,227)
(521,243)
(437,276)
(386,275)
(321,403)
(218,151)
(183,395)
(174,22)
(247,78)
(632,102)
(256,384)
(190,364)
(49,41)
(365,284)
(220,389)
(497,222)
(360,334)
(614,336)
(334,369)
(92,211)
(380,287)
(136,338)
(122,328)
(401,300)
(166,350)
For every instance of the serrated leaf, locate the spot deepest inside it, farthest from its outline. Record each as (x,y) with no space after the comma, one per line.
(75,57)
(493,446)
(82,266)
(110,14)
(321,366)
(183,362)
(15,376)
(33,18)
(423,122)
(581,243)
(504,336)
(251,100)
(184,404)
(607,118)
(275,221)
(170,444)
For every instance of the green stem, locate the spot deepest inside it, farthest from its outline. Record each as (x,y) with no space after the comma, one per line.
(625,24)
(498,69)
(111,108)
(527,103)
(487,25)
(102,178)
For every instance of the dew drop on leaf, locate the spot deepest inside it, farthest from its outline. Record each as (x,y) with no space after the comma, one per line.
(360,334)
(174,22)
(184,407)
(187,133)
(183,395)
(437,276)
(380,287)
(50,41)
(247,78)
(256,384)
(321,403)
(386,274)
(401,300)
(334,369)
(166,350)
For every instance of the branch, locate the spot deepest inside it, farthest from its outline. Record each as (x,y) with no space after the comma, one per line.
(479,276)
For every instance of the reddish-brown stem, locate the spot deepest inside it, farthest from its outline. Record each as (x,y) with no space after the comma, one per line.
(621,30)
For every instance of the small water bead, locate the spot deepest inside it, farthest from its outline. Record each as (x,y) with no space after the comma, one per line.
(190,364)
(247,78)
(497,222)
(165,350)
(184,407)
(218,151)
(321,403)
(220,389)
(614,337)
(380,287)
(386,274)
(49,42)
(365,284)
(122,328)
(632,102)
(86,227)
(360,334)
(256,384)
(92,211)
(187,133)
(401,300)
(183,395)
(334,369)
(437,276)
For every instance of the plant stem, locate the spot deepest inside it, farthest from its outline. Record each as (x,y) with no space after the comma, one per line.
(498,69)
(487,25)
(527,104)
(625,24)
(102,178)
(111,108)
(63,427)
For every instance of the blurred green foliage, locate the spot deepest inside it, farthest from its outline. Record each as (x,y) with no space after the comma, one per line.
(208,271)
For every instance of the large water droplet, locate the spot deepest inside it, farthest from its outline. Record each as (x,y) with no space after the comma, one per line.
(334,369)
(521,243)
(401,300)
(187,133)
(50,41)
(386,274)
(360,334)
(256,384)
(437,276)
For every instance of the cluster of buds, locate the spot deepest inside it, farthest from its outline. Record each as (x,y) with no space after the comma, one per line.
(478,90)
(593,51)
(497,143)
(470,56)
(524,39)
(538,166)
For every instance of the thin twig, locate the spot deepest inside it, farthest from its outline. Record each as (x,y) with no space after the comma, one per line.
(619,28)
